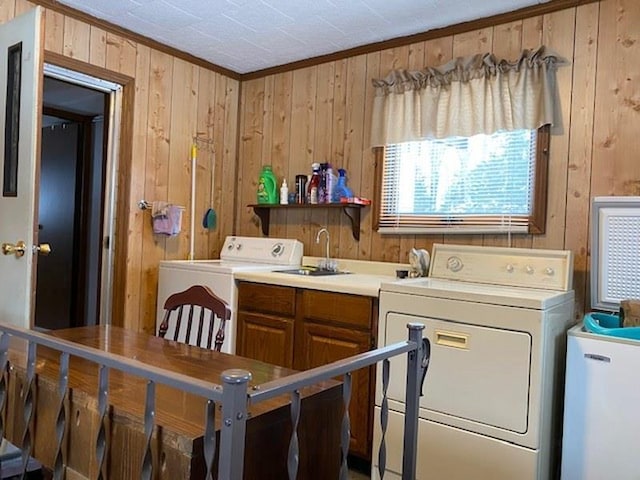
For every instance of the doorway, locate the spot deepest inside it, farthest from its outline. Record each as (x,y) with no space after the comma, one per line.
(73,281)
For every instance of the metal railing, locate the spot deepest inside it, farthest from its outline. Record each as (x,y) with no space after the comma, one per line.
(232,394)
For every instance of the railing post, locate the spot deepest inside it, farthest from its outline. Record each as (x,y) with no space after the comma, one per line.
(4,363)
(209,444)
(102,442)
(234,421)
(29,406)
(149,422)
(61,419)
(417,362)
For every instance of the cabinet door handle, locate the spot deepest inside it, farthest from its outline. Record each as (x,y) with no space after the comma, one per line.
(452,339)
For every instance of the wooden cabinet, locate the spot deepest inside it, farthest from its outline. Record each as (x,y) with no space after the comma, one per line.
(303,328)
(266,319)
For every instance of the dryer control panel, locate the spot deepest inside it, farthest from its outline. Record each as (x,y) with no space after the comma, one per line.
(514,267)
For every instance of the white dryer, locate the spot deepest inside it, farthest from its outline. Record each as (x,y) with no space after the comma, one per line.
(497,321)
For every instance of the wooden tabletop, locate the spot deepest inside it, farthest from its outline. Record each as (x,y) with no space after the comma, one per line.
(176,411)
(177,451)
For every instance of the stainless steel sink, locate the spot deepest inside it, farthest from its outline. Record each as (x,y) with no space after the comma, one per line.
(312,272)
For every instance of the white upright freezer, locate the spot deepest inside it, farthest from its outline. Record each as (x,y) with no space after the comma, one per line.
(601,432)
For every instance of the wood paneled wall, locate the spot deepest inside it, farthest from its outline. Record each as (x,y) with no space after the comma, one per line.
(173,101)
(322,113)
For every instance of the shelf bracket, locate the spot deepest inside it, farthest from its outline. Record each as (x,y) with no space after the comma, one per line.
(354,215)
(264,213)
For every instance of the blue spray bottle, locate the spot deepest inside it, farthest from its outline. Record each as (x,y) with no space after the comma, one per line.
(341,190)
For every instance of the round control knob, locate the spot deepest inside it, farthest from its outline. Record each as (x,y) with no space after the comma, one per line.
(454,264)
(277,250)
(510,268)
(239,246)
(549,271)
(529,270)
(230,246)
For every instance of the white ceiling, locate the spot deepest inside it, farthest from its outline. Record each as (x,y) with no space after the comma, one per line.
(250,35)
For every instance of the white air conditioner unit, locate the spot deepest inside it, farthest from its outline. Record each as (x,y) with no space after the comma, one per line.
(615,251)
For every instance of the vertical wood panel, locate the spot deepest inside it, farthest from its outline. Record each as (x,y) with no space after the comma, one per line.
(22,6)
(98,47)
(227,130)
(250,158)
(156,177)
(303,116)
(368,159)
(617,100)
(121,54)
(54,31)
(138,218)
(280,125)
(278,163)
(336,135)
(184,107)
(558,34)
(532,32)
(7,10)
(208,154)
(580,147)
(76,39)
(322,145)
(228,96)
(353,136)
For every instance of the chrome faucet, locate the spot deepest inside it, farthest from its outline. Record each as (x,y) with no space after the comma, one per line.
(327,262)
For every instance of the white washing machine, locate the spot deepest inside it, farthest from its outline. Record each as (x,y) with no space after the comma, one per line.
(237,254)
(497,320)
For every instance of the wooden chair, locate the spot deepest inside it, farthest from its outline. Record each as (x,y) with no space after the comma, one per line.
(194,298)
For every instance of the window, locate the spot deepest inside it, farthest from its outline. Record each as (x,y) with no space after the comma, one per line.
(481,184)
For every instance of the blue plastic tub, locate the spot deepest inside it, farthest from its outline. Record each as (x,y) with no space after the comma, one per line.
(609,324)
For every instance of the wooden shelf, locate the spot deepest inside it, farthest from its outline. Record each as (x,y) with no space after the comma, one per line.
(351,210)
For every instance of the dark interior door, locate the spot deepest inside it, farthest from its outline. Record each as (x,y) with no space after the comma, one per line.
(57,273)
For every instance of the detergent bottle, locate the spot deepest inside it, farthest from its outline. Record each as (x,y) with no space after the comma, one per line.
(267,186)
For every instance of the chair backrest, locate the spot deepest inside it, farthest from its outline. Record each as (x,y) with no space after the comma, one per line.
(197,307)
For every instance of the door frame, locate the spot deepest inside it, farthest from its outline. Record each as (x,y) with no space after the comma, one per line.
(117,178)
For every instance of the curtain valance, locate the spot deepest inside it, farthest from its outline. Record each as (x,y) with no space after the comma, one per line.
(465,97)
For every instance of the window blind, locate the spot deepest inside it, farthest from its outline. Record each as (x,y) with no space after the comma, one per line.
(479,184)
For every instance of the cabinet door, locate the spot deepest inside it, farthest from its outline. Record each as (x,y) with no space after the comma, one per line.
(318,345)
(265,338)
(274,299)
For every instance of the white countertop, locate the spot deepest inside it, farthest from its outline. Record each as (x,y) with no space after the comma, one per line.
(365,277)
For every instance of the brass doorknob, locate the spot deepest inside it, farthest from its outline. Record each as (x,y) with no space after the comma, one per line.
(43,249)
(18,249)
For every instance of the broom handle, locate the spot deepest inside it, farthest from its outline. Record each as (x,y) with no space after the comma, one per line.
(192,239)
